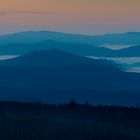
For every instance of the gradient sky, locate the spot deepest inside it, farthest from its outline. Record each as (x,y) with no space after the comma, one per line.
(74,16)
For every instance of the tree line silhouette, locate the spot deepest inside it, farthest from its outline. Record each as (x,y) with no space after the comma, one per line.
(72,121)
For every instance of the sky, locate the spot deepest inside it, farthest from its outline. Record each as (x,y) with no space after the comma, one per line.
(72,16)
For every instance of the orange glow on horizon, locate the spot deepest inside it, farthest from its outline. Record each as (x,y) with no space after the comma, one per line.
(66,14)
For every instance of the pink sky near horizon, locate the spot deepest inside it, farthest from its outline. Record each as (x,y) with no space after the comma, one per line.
(75,16)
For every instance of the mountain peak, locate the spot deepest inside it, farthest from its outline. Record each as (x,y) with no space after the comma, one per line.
(52,57)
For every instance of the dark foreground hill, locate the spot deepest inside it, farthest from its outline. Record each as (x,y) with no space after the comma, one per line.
(56,76)
(27,121)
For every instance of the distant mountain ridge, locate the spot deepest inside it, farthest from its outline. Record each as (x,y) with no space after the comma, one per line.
(75,48)
(38,36)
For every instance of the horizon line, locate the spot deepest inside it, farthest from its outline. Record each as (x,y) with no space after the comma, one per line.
(82,34)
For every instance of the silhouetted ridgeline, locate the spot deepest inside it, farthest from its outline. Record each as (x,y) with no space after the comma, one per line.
(24,42)
(33,37)
(75,48)
(27,121)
